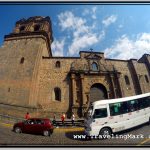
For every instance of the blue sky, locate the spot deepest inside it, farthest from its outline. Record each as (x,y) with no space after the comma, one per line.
(120,31)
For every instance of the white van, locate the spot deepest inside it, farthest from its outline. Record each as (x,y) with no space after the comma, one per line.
(109,116)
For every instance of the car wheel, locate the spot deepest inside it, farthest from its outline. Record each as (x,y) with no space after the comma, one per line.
(18,130)
(46,133)
(105,132)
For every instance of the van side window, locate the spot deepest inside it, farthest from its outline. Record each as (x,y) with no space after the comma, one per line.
(100,113)
(143,103)
(115,109)
(129,106)
(148,101)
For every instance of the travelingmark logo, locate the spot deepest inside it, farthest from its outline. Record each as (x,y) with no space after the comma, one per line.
(112,136)
(91,137)
(79,136)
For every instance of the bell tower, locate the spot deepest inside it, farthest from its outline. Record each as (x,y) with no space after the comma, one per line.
(20,60)
(33,27)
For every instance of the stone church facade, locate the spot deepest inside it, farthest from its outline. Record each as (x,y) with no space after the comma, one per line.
(35,81)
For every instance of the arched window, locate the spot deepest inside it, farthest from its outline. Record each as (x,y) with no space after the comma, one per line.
(146,78)
(22,60)
(22,28)
(36,27)
(94,66)
(127,80)
(57,92)
(58,64)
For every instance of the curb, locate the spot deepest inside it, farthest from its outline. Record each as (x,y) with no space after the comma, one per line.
(71,129)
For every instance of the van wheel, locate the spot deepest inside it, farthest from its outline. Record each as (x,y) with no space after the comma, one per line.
(18,130)
(105,132)
(46,133)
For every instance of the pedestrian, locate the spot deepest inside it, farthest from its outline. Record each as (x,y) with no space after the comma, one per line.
(27,116)
(73,119)
(62,119)
(54,119)
(64,116)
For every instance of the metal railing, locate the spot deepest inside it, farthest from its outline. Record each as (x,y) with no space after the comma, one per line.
(68,122)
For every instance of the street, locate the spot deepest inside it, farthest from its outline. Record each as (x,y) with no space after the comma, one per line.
(74,136)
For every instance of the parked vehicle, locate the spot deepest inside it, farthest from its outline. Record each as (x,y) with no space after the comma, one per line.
(109,116)
(34,126)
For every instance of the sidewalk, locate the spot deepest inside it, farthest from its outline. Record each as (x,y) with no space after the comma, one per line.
(56,129)
(9,121)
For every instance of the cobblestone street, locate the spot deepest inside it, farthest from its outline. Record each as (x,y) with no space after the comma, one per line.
(72,137)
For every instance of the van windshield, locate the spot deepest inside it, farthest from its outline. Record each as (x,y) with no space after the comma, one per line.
(100,113)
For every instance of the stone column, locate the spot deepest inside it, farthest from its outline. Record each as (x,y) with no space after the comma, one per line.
(75,106)
(109,95)
(83,89)
(113,85)
(119,85)
(74,95)
(84,98)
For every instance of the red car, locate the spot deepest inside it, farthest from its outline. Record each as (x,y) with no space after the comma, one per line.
(35,126)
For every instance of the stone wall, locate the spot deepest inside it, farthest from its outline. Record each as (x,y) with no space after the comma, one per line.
(16,77)
(141,71)
(50,77)
(123,68)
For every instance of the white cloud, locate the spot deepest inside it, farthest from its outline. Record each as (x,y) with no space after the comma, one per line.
(94,12)
(85,12)
(94,9)
(82,34)
(102,35)
(124,48)
(120,26)
(68,20)
(57,47)
(109,20)
(82,42)
(91,12)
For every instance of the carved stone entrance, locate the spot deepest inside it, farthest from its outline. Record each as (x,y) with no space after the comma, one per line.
(98,92)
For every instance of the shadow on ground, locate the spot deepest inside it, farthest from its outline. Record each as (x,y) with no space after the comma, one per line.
(80,135)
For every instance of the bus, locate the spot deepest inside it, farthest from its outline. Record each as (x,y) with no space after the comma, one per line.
(105,117)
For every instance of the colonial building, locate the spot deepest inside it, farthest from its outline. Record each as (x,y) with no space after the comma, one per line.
(35,81)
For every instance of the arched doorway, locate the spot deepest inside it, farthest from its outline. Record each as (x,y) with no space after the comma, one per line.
(98,92)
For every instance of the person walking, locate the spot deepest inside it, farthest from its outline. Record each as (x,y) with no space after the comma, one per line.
(62,119)
(73,119)
(27,116)
(64,116)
